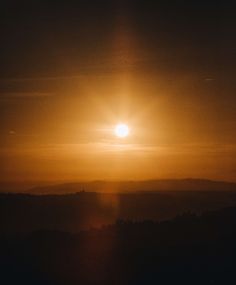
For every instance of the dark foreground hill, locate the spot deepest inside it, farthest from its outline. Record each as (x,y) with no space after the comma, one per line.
(22,213)
(189,249)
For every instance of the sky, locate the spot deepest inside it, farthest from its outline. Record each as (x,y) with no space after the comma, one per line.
(71,70)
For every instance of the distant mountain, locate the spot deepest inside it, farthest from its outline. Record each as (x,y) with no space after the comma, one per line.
(20,186)
(136,186)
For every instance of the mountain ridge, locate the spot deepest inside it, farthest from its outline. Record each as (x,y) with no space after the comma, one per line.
(188,184)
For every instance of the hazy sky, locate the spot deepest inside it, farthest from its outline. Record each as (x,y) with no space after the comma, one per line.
(71,70)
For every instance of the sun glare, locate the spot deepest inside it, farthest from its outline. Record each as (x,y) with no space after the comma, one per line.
(121,130)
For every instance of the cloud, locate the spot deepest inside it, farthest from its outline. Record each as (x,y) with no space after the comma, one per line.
(39,78)
(19,95)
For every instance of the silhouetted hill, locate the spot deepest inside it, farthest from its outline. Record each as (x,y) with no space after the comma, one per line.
(22,213)
(136,186)
(189,249)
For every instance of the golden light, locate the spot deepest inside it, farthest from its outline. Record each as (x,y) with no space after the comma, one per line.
(121,130)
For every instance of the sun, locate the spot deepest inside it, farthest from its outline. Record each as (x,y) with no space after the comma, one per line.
(121,130)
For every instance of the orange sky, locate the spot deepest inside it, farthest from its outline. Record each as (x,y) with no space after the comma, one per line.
(63,97)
